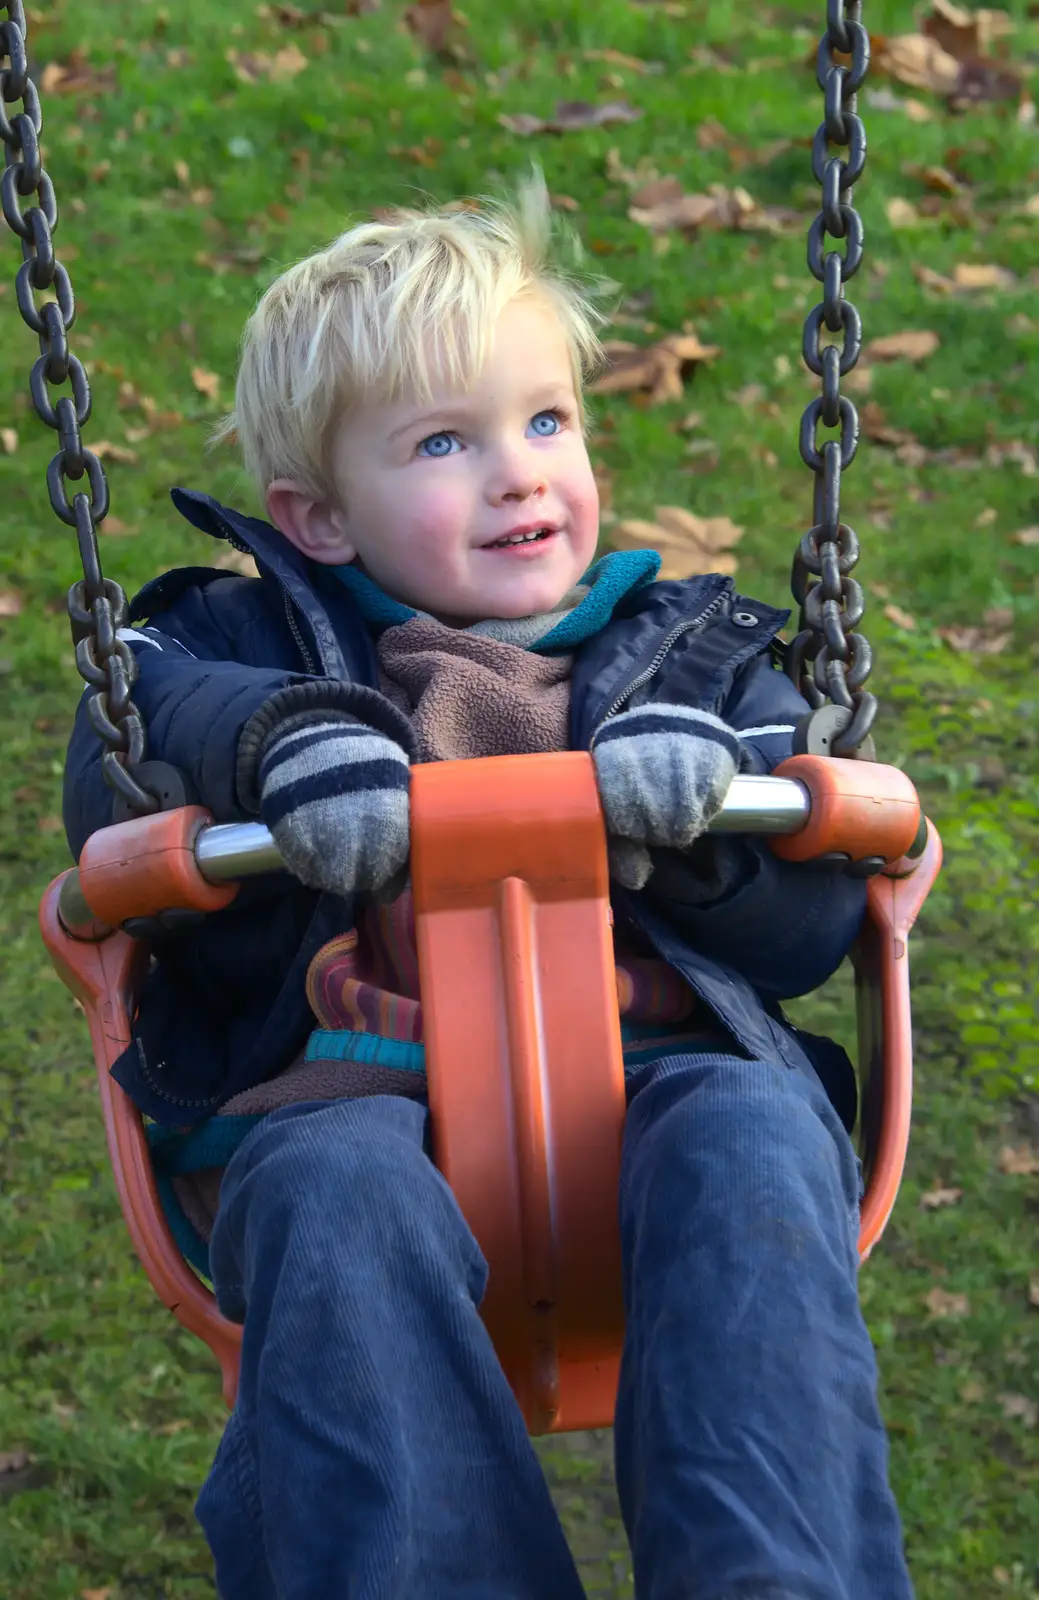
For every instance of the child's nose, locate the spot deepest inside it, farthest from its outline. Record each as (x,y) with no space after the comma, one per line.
(517,476)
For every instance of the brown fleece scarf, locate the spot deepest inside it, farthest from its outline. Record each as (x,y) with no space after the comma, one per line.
(469,695)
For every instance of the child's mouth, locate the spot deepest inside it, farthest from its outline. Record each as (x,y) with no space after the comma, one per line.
(523,541)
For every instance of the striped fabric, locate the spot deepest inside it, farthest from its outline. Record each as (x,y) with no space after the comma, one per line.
(306,770)
(363,988)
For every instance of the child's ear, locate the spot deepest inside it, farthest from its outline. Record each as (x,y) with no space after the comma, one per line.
(314,527)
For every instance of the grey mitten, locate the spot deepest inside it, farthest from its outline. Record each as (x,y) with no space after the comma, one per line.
(663,772)
(334,794)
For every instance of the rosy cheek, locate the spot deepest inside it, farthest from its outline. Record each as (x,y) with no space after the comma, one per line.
(437,509)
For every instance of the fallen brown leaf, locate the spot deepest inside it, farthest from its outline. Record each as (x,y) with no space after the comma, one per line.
(97,1594)
(11,604)
(965,34)
(874,424)
(115,528)
(237,561)
(901,213)
(1025,536)
(1033,1290)
(207,383)
(688,544)
(436,26)
(254,65)
(656,369)
(989,638)
(916,61)
(8,440)
(902,619)
(105,450)
(617,58)
(711,135)
(1020,1160)
(1031,207)
(944,1303)
(1018,1407)
(571,116)
(938,179)
(1013,452)
(934,1199)
(668,207)
(978,275)
(76,76)
(910,345)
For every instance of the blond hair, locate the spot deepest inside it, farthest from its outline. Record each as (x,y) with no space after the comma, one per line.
(383,309)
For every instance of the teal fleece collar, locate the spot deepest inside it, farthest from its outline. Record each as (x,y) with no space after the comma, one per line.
(609,579)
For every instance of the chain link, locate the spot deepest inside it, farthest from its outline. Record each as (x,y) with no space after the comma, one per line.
(829,660)
(97,606)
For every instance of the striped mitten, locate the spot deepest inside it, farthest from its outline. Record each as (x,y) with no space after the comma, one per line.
(663,772)
(334,794)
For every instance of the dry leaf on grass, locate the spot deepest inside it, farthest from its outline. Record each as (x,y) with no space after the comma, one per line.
(11,604)
(1018,1408)
(934,1199)
(97,1594)
(1015,453)
(237,561)
(617,58)
(967,276)
(663,205)
(916,61)
(656,369)
(688,544)
(1033,1290)
(106,450)
(1025,536)
(902,619)
(1020,1160)
(963,33)
(901,213)
(989,638)
(255,66)
(944,1303)
(910,345)
(571,116)
(115,528)
(76,76)
(883,100)
(207,383)
(8,440)
(437,27)
(949,56)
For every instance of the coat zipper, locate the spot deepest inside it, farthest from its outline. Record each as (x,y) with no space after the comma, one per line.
(290,617)
(290,609)
(676,633)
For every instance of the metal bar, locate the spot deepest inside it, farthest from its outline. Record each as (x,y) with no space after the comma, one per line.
(230,850)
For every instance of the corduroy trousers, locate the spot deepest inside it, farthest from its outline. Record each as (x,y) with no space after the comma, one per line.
(375,1450)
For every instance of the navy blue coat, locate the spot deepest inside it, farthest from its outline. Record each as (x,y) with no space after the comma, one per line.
(225,1007)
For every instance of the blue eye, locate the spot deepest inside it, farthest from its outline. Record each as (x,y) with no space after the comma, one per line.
(554,424)
(434,445)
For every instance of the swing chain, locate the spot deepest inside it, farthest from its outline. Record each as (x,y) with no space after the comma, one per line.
(829,660)
(97,606)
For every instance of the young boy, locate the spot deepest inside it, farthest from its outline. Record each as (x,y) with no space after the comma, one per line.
(410,408)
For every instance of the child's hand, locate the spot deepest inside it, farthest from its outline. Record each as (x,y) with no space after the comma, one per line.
(663,772)
(334,794)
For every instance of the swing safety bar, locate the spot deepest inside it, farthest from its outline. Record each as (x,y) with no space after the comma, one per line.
(522,1033)
(182,860)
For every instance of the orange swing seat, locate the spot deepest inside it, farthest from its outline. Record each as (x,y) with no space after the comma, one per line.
(523,1045)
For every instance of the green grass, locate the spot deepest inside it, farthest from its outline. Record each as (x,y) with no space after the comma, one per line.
(120,1409)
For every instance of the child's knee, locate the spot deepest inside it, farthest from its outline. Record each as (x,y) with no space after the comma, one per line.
(756,1130)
